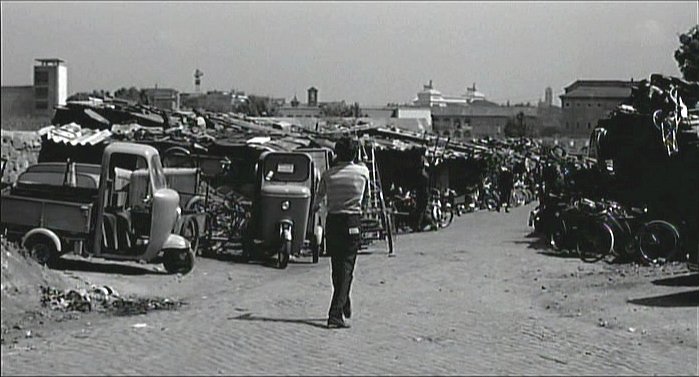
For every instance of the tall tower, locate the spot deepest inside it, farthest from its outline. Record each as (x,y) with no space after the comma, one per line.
(50,85)
(548,97)
(312,96)
(197,80)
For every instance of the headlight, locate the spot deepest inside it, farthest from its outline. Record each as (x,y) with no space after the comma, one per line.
(285,205)
(179,213)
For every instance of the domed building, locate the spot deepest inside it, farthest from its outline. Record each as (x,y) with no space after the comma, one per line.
(431,97)
(473,95)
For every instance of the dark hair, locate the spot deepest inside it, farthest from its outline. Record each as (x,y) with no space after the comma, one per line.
(346,149)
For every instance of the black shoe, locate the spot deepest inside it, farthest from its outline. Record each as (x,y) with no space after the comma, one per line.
(347,311)
(337,324)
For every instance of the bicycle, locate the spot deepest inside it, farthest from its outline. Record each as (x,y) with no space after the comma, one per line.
(227,218)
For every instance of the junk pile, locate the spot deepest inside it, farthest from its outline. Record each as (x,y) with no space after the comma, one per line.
(458,169)
(637,200)
(102,298)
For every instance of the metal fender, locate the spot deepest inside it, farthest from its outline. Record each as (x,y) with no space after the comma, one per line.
(286,229)
(319,232)
(48,233)
(164,216)
(176,242)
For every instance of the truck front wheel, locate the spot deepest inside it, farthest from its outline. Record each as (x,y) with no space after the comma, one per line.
(42,250)
(178,261)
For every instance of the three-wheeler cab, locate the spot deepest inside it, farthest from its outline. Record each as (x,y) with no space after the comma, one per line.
(99,210)
(316,223)
(281,207)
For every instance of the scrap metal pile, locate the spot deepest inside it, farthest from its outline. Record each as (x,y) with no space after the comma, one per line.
(639,200)
(102,298)
(464,174)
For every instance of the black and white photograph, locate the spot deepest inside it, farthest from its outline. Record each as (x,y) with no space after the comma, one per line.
(331,188)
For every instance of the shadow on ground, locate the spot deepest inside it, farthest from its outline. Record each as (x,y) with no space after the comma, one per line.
(682,299)
(691,280)
(315,322)
(536,242)
(64,264)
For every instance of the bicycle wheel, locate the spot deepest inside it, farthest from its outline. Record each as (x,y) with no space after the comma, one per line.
(558,234)
(447,217)
(658,242)
(190,231)
(595,243)
(390,231)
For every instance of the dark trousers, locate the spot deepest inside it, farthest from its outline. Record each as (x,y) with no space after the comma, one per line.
(342,248)
(505,193)
(420,210)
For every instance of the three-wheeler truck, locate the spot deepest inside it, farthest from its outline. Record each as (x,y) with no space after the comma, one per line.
(98,210)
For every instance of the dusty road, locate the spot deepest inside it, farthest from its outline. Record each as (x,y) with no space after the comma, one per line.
(479,297)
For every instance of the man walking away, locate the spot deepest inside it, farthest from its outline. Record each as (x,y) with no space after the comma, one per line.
(343,185)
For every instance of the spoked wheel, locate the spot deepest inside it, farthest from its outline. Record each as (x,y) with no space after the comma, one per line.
(178,261)
(447,218)
(658,242)
(517,199)
(558,234)
(491,204)
(436,214)
(190,231)
(594,245)
(389,230)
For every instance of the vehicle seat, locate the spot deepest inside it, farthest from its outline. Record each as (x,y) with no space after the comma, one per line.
(109,233)
(124,229)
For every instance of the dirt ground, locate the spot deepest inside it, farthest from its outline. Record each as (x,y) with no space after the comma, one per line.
(480,297)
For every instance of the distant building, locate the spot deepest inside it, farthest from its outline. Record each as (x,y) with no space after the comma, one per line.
(462,122)
(312,109)
(431,97)
(50,85)
(378,112)
(215,101)
(312,96)
(421,114)
(587,101)
(163,98)
(299,111)
(548,97)
(49,89)
(549,115)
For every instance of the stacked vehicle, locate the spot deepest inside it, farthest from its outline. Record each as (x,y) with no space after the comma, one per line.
(639,200)
(99,210)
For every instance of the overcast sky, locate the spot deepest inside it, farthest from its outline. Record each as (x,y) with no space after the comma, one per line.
(369,52)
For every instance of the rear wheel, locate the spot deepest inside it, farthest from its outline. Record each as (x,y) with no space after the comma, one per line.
(447,217)
(595,244)
(42,250)
(178,261)
(658,242)
(283,254)
(317,248)
(436,214)
(491,204)
(558,235)
(190,231)
(390,231)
